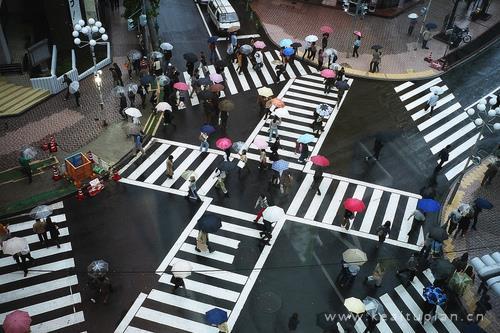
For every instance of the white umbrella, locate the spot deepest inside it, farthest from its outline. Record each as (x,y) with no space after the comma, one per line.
(265,92)
(163,106)
(354,305)
(335,66)
(41,212)
(117,91)
(311,38)
(15,245)
(412,16)
(166,46)
(330,51)
(181,269)
(133,112)
(273,214)
(73,87)
(354,256)
(437,90)
(281,112)
(132,87)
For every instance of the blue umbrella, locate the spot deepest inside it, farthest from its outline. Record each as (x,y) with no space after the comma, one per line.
(483,203)
(226,166)
(286,42)
(431,25)
(280,165)
(216,316)
(288,51)
(428,205)
(209,222)
(305,138)
(209,129)
(146,79)
(212,39)
(204,81)
(434,295)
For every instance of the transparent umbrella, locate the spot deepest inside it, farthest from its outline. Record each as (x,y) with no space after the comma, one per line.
(28,152)
(132,87)
(134,55)
(73,87)
(373,306)
(117,91)
(98,268)
(41,212)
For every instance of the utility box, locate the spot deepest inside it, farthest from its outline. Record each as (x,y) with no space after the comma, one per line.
(78,168)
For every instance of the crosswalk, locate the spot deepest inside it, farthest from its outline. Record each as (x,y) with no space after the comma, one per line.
(215,281)
(251,79)
(382,204)
(449,124)
(48,293)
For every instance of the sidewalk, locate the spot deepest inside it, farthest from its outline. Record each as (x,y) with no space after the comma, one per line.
(282,19)
(480,242)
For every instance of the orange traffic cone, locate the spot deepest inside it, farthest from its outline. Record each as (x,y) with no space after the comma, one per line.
(80,196)
(52,144)
(116,176)
(55,173)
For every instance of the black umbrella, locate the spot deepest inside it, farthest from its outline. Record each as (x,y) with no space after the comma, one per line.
(296,44)
(226,105)
(98,268)
(342,85)
(377,47)
(220,63)
(442,269)
(205,95)
(431,25)
(204,81)
(325,321)
(212,39)
(147,79)
(190,57)
(226,166)
(438,233)
(209,222)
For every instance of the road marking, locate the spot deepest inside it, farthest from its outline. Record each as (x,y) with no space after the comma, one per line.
(334,205)
(222,39)
(200,169)
(439,116)
(59,323)
(237,229)
(396,314)
(371,211)
(194,98)
(28,225)
(391,208)
(319,100)
(39,288)
(215,255)
(288,68)
(124,324)
(241,78)
(231,212)
(452,138)
(193,155)
(403,86)
(206,27)
(445,127)
(318,199)
(216,239)
(422,99)
(162,167)
(37,271)
(457,169)
(298,102)
(215,272)
(254,76)
(148,162)
(229,80)
(211,69)
(41,253)
(414,308)
(271,59)
(420,89)
(462,148)
(419,114)
(182,302)
(299,197)
(405,226)
(174,321)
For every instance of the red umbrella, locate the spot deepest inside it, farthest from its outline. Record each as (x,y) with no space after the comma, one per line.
(320,160)
(326,29)
(17,322)
(357,33)
(354,205)
(223,143)
(216,87)
(181,86)
(328,73)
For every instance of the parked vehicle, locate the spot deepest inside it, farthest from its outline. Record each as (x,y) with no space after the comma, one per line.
(223,14)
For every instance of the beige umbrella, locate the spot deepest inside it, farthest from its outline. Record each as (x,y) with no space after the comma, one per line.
(355,256)
(182,269)
(265,92)
(354,305)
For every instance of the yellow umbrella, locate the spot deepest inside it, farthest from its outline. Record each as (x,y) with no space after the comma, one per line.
(355,256)
(354,305)
(265,92)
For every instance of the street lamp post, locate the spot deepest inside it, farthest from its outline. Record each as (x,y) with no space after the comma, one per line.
(485,121)
(93,32)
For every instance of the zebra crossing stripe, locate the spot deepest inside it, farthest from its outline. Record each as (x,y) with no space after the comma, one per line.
(204,288)
(241,78)
(39,288)
(215,255)
(371,211)
(216,239)
(231,212)
(452,138)
(442,101)
(182,167)
(299,102)
(301,111)
(182,302)
(238,229)
(414,308)
(37,271)
(58,323)
(439,116)
(162,167)
(131,329)
(174,321)
(419,89)
(31,239)
(41,253)
(396,315)
(445,127)
(284,123)
(300,195)
(422,99)
(148,162)
(229,81)
(318,199)
(28,225)
(271,59)
(318,100)
(334,205)
(200,169)
(194,98)
(124,323)
(411,206)
(266,73)
(288,68)
(302,81)
(216,273)
(391,208)
(312,91)
(403,86)
(254,76)
(457,169)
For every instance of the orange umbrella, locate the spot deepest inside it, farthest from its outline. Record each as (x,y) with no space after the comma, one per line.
(277,103)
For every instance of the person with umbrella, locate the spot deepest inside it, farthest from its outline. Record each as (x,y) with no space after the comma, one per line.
(203,142)
(477,209)
(259,60)
(418,221)
(202,244)
(20,252)
(433,297)
(383,232)
(244,160)
(221,177)
(123,106)
(17,322)
(312,51)
(461,262)
(463,226)
(53,230)
(138,140)
(280,69)
(413,22)
(317,178)
(348,216)
(131,96)
(324,40)
(329,83)
(67,81)
(143,93)
(192,189)
(304,152)
(452,221)
(431,103)
(24,162)
(40,229)
(321,59)
(286,183)
(376,58)
(262,204)
(426,36)
(273,128)
(411,269)
(490,173)
(356,46)
(274,156)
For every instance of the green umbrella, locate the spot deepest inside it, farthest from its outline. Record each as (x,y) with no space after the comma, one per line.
(459,282)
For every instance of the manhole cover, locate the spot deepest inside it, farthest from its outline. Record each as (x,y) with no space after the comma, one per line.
(269,302)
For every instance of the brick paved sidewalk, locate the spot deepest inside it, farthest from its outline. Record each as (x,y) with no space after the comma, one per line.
(480,242)
(281,19)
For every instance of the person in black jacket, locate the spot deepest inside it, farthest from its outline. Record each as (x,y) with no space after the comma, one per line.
(123,106)
(67,81)
(53,230)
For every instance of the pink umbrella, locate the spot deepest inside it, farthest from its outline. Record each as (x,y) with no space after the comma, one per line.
(326,29)
(354,205)
(320,160)
(17,322)
(357,33)
(181,86)
(223,143)
(216,78)
(259,44)
(260,143)
(328,73)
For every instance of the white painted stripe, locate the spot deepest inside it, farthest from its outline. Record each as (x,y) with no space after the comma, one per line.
(299,67)
(204,288)
(359,192)
(306,129)
(391,208)
(208,184)
(282,132)
(403,86)
(271,59)
(37,289)
(231,212)
(47,306)
(371,211)
(457,169)
(422,99)
(439,116)
(148,162)
(304,111)
(267,75)
(162,167)
(283,143)
(137,156)
(288,68)
(194,98)
(300,119)
(215,272)
(200,169)
(414,308)
(396,314)
(230,83)
(307,82)
(131,329)
(215,255)
(211,69)
(254,76)
(182,302)
(301,103)
(317,100)
(58,323)
(216,239)
(419,89)
(29,224)
(237,229)
(405,226)
(318,199)
(445,127)
(41,253)
(313,69)
(223,39)
(334,206)
(174,321)
(300,195)
(463,147)
(452,138)
(241,78)
(383,327)
(124,324)
(312,91)
(31,239)
(316,77)
(37,270)
(423,112)
(181,168)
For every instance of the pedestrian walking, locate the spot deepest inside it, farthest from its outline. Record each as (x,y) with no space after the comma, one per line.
(428,311)
(101,286)
(377,147)
(203,142)
(443,155)
(21,258)
(356,46)
(170,167)
(317,178)
(118,73)
(329,83)
(77,98)
(482,306)
(418,221)
(128,65)
(321,59)
(67,81)
(142,91)
(138,139)
(177,282)
(220,184)
(324,40)
(25,165)
(317,125)
(340,75)
(312,51)
(490,173)
(304,153)
(168,119)
(411,269)
(40,228)
(431,103)
(244,160)
(202,244)
(259,61)
(347,220)
(239,60)
(123,106)
(53,230)
(371,322)
(452,221)
(192,190)
(293,322)
(426,36)
(307,47)
(274,156)
(262,204)
(131,97)
(286,183)
(273,127)
(411,26)
(476,211)
(463,226)
(348,275)
(461,262)
(280,69)
(383,232)
(376,59)
(223,120)
(263,159)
